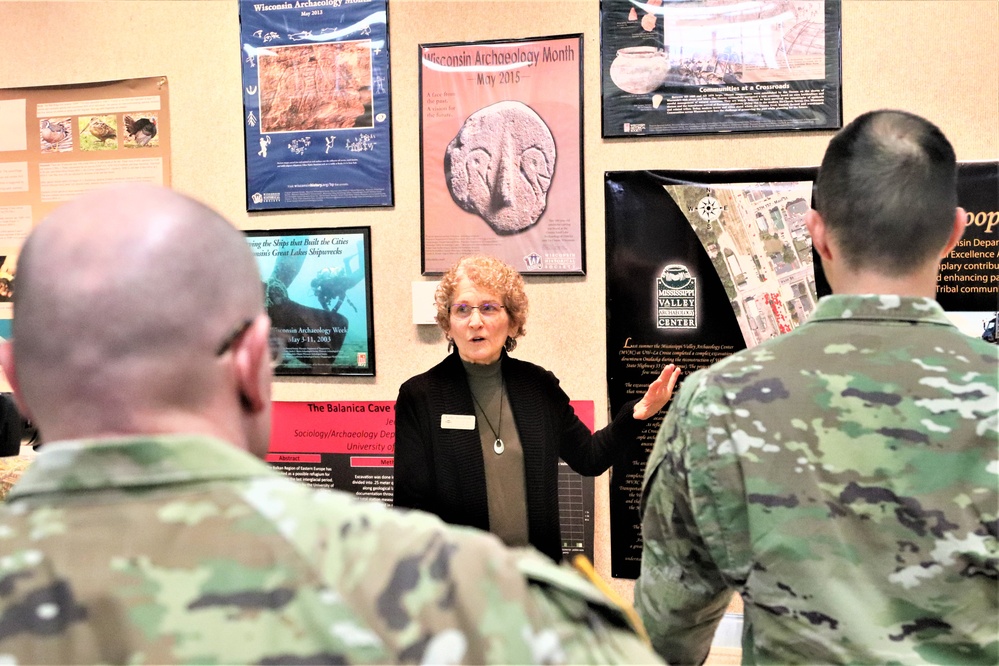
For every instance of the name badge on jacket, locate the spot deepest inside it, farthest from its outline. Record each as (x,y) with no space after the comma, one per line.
(457,422)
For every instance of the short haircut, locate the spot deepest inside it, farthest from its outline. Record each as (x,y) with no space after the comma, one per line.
(122,296)
(489,274)
(887,191)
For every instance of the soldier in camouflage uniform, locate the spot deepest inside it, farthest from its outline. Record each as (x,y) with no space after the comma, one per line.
(145,532)
(842,477)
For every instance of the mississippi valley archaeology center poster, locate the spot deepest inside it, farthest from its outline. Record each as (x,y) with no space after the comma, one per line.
(701,265)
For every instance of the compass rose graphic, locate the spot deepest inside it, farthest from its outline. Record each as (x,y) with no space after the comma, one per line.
(709,209)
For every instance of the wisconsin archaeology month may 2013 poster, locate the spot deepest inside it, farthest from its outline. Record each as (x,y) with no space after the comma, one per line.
(316,104)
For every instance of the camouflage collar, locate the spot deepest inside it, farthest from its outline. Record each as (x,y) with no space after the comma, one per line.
(880,307)
(134,462)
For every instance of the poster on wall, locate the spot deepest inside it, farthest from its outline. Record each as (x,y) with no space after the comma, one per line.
(968,279)
(316,114)
(501,153)
(968,282)
(350,446)
(343,445)
(699,265)
(317,289)
(59,142)
(671,67)
(704,264)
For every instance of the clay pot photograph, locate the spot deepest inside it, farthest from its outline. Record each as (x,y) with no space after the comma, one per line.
(639,69)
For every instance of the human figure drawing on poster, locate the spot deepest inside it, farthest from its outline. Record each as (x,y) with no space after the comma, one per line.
(332,284)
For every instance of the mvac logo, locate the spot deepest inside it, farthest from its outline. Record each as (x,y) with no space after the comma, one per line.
(676,298)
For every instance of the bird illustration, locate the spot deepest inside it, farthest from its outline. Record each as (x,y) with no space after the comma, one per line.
(100,130)
(53,133)
(142,130)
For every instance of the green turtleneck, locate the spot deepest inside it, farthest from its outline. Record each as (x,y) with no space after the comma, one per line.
(505,490)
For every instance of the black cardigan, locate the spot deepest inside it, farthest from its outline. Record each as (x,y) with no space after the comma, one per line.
(442,471)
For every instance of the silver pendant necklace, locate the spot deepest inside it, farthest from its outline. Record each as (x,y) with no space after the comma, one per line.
(498,446)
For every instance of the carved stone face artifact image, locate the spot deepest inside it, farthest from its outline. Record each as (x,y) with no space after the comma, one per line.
(500,166)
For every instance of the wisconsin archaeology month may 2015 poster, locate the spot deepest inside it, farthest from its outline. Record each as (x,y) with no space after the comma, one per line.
(501,153)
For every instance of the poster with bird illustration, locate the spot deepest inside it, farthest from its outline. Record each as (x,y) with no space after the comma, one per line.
(61,141)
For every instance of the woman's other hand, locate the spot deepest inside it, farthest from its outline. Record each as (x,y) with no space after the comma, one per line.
(658,393)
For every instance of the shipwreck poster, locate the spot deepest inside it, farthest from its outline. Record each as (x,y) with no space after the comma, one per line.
(350,446)
(707,66)
(317,289)
(501,153)
(699,265)
(316,104)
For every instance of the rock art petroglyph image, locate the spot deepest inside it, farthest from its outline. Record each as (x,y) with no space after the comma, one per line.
(315,87)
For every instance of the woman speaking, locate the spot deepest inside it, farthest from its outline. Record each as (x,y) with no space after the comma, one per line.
(479,435)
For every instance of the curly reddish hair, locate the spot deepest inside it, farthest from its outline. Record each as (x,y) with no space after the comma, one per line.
(489,274)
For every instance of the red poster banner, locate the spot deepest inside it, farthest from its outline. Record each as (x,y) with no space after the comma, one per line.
(333,427)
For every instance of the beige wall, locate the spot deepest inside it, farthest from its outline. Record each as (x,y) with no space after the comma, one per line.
(938,59)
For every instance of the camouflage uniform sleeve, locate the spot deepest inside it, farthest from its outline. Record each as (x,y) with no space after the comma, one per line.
(455,595)
(681,593)
(437,593)
(590,628)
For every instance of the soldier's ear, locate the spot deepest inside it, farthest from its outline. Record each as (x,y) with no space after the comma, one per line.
(960,224)
(252,358)
(820,239)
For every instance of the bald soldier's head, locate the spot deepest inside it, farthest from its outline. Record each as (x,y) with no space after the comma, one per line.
(125,300)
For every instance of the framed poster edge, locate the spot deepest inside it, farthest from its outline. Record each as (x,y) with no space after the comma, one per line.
(833,82)
(580,40)
(387,196)
(369,370)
